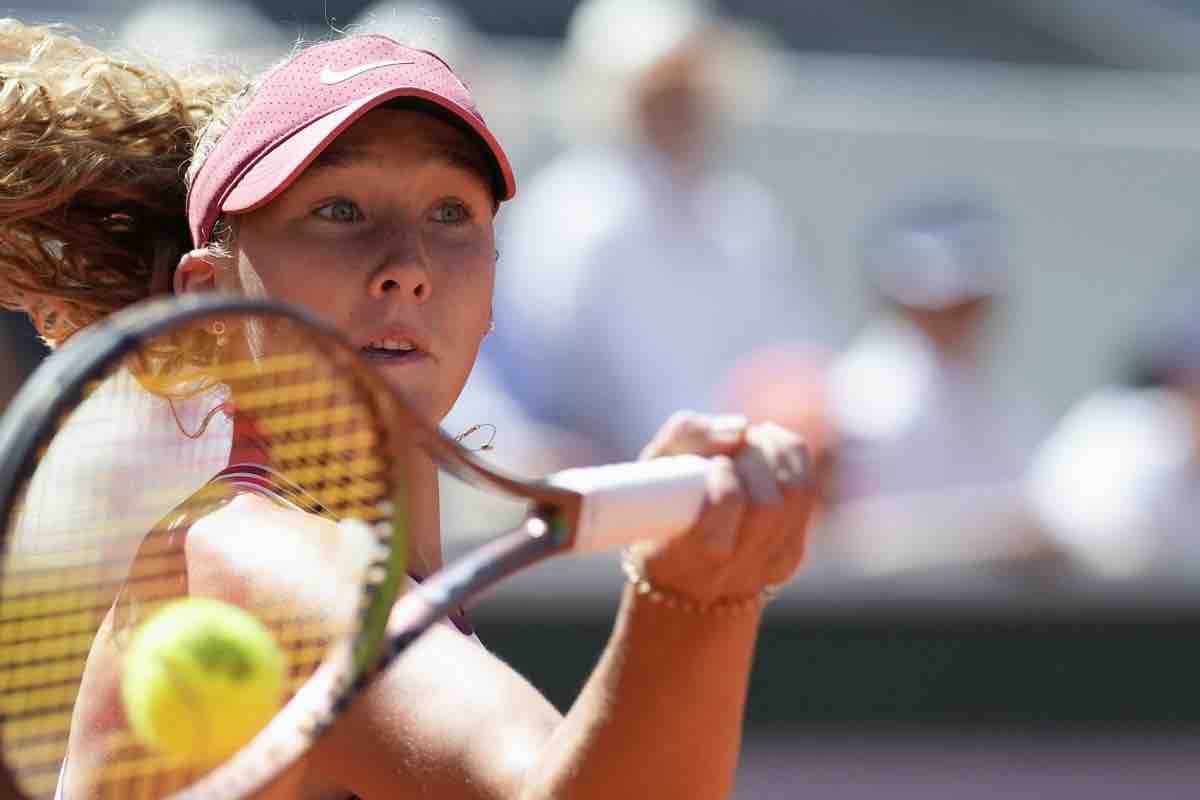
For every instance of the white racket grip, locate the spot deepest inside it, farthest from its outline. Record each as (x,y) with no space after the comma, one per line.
(626,503)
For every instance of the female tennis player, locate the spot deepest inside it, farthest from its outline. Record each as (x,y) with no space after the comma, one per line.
(358,179)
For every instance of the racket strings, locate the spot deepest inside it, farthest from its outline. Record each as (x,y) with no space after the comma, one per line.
(66,579)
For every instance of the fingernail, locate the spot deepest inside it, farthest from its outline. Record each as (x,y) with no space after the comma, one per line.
(791,474)
(728,426)
(799,466)
(786,476)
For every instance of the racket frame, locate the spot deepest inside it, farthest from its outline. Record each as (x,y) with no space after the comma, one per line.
(60,383)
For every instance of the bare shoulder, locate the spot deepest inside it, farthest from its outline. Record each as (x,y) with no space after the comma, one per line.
(252,552)
(447,719)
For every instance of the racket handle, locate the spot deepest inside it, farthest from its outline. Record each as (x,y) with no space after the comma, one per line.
(626,503)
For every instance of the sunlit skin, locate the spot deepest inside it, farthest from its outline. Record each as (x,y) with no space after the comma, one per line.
(390,233)
(387,234)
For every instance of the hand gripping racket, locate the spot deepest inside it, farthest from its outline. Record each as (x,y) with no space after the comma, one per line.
(239,449)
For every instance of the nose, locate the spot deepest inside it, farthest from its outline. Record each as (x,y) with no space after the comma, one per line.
(403,279)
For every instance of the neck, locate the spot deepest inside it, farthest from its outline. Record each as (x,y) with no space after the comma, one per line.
(425,554)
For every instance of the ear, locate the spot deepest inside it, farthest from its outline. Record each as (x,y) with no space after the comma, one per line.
(196,272)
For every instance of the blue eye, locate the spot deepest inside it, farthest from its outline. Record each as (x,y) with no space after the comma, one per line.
(452,212)
(339,211)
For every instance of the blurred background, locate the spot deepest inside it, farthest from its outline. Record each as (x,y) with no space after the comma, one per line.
(952,244)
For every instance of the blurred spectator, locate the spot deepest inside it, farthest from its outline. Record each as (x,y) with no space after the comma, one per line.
(910,395)
(1117,484)
(634,278)
(931,459)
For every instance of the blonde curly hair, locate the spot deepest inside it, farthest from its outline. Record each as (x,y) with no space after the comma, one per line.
(93,151)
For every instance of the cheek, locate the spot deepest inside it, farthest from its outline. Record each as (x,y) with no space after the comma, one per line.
(299,277)
(480,293)
(469,314)
(470,277)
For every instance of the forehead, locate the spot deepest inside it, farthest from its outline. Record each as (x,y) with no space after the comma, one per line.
(392,135)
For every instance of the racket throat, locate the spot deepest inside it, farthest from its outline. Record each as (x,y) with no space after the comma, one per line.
(537,537)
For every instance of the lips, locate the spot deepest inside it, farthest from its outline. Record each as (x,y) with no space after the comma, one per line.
(394,345)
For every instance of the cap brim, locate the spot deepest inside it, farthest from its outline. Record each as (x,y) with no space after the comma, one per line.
(275,170)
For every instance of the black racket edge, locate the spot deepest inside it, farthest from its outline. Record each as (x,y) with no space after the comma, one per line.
(59,382)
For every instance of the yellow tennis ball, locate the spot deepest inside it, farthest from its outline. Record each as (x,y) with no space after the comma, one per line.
(201,678)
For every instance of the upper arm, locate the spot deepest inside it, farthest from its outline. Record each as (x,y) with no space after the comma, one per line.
(446,720)
(255,554)
(97,712)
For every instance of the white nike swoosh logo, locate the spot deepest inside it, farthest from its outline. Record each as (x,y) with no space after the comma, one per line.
(329,76)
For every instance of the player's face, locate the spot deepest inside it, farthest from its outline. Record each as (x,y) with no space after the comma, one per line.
(387,235)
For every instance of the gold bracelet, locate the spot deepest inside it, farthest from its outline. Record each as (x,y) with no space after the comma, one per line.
(724,605)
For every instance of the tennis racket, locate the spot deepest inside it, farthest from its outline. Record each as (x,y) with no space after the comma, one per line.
(239,448)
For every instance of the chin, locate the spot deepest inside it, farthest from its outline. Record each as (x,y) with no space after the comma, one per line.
(424,402)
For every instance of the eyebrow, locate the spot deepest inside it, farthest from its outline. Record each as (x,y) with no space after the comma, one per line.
(347,156)
(341,157)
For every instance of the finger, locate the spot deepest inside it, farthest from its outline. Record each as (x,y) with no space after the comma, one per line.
(773,461)
(690,432)
(788,559)
(773,466)
(756,471)
(794,473)
(791,539)
(758,462)
(793,463)
(726,505)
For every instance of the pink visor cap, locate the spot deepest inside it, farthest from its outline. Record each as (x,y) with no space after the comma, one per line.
(303,105)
